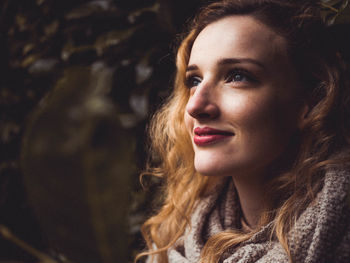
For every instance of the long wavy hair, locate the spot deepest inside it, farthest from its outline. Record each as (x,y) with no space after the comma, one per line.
(324,132)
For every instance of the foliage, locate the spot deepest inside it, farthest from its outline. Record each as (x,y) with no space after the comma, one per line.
(80,79)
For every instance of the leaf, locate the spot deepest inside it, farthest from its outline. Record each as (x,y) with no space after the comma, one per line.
(90,8)
(132,17)
(52,28)
(113,38)
(29,60)
(69,49)
(344,16)
(331,10)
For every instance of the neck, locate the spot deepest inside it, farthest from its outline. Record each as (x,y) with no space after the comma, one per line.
(252,200)
(252,187)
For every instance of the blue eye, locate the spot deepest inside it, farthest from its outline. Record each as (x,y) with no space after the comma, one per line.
(238,75)
(193,81)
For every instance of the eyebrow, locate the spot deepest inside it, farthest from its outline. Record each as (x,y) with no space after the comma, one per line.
(227,61)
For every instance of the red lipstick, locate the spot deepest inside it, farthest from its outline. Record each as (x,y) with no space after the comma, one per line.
(206,135)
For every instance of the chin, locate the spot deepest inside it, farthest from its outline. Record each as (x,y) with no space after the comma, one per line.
(236,169)
(210,169)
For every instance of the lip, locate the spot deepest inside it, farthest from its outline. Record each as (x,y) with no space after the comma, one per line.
(206,135)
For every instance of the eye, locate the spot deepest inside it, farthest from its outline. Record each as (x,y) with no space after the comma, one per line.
(238,75)
(193,81)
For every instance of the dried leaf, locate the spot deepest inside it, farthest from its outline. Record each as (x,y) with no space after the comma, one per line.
(51,29)
(113,38)
(29,60)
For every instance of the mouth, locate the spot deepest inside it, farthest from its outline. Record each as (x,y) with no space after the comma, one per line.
(206,136)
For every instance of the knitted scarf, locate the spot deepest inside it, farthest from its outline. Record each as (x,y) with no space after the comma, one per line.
(321,233)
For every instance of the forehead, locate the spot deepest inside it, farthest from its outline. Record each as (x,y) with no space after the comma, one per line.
(238,36)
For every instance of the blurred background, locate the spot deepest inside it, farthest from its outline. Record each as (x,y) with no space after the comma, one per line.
(79,82)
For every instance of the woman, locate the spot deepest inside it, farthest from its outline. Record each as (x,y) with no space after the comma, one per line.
(253,143)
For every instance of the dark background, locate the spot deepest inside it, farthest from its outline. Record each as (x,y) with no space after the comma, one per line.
(79,82)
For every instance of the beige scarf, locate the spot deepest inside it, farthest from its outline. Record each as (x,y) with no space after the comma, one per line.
(321,234)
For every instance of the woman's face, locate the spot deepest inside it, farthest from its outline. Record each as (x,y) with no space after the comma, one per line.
(244,103)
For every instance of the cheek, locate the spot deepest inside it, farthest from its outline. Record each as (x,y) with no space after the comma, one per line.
(260,115)
(245,110)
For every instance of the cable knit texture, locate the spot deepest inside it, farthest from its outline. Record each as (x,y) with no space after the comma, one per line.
(321,234)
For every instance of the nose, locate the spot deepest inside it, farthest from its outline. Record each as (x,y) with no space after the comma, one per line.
(202,103)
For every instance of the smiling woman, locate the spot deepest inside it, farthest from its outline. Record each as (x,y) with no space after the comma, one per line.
(254,141)
(241,68)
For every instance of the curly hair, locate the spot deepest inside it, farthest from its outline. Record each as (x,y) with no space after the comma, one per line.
(325,129)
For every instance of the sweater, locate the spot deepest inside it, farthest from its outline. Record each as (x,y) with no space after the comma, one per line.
(320,234)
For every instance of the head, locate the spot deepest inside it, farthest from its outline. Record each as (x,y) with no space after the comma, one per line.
(263,73)
(280,53)
(246,102)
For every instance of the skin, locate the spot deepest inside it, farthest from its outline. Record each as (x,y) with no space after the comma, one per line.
(241,81)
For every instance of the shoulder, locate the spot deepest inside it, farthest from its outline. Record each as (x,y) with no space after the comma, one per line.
(342,251)
(331,233)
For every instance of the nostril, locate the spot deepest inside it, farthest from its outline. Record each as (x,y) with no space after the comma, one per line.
(208,111)
(203,115)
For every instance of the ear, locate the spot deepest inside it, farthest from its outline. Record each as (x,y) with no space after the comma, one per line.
(304,112)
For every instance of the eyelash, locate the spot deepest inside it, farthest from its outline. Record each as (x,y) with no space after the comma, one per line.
(229,77)
(238,71)
(189,82)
